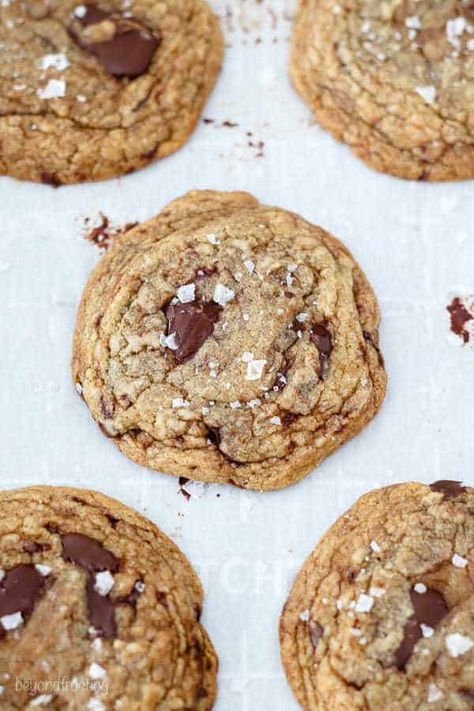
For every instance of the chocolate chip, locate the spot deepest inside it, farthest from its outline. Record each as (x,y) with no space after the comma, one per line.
(429,608)
(316,633)
(468,693)
(450,489)
(323,342)
(411,635)
(20,589)
(288,419)
(214,436)
(192,324)
(101,610)
(128,52)
(88,553)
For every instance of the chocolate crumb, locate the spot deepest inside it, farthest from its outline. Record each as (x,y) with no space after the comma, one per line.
(460,316)
(104,235)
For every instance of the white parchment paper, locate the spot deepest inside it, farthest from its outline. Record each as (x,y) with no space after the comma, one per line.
(416,243)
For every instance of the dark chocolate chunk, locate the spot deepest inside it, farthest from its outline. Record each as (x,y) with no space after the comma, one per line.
(316,633)
(429,608)
(20,589)
(88,553)
(34,547)
(101,610)
(450,489)
(128,52)
(468,693)
(323,342)
(411,635)
(192,324)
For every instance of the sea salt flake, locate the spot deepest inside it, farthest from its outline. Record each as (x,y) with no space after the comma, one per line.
(255,369)
(43,570)
(54,89)
(249,265)
(426,631)
(355,632)
(80,11)
(169,341)
(254,403)
(104,582)
(427,93)
(420,588)
(247,357)
(222,295)
(212,239)
(304,616)
(413,22)
(95,705)
(302,317)
(179,402)
(364,603)
(377,592)
(2,574)
(375,547)
(96,671)
(434,694)
(186,293)
(235,405)
(458,561)
(54,61)
(97,644)
(275,421)
(458,644)
(11,622)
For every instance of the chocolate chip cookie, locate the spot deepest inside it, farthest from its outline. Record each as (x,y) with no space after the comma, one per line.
(394,80)
(381,616)
(97,89)
(228,341)
(98,609)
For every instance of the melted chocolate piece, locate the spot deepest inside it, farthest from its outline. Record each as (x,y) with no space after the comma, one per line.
(429,608)
(323,342)
(450,489)
(468,693)
(411,635)
(128,52)
(20,589)
(101,610)
(88,553)
(459,317)
(192,325)
(316,633)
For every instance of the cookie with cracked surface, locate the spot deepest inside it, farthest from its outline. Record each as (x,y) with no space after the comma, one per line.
(393,80)
(381,615)
(228,341)
(98,609)
(98,89)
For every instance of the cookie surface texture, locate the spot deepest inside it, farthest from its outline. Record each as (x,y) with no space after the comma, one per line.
(394,80)
(95,90)
(381,616)
(228,341)
(98,609)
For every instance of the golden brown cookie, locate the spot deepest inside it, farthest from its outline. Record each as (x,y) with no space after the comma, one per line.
(229,341)
(98,609)
(97,89)
(381,616)
(394,80)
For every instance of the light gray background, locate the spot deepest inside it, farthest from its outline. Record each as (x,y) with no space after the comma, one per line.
(414,241)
